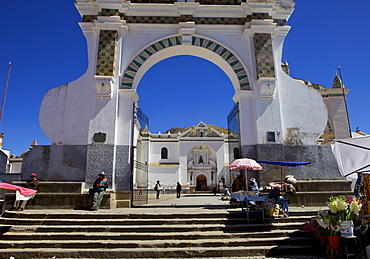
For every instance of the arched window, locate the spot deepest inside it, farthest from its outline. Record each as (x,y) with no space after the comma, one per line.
(236,153)
(164,153)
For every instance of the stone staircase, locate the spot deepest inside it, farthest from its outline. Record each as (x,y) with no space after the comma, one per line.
(167,234)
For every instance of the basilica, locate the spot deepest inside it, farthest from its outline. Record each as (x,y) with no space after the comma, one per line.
(196,156)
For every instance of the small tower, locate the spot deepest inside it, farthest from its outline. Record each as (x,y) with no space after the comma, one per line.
(335,100)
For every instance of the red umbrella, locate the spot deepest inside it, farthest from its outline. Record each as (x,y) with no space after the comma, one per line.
(245,163)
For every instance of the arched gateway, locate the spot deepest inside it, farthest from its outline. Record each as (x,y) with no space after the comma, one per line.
(91,120)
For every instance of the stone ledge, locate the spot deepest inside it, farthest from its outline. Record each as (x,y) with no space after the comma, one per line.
(62,201)
(57,187)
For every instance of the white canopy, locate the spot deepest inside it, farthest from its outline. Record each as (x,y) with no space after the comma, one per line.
(352,155)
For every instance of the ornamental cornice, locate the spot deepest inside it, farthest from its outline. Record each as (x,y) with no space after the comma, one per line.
(111,23)
(175,9)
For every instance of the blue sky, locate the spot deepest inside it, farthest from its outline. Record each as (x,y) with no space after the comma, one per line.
(43,41)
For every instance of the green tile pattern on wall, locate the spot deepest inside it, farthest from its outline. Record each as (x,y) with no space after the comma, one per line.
(136,63)
(185,18)
(106,53)
(280,22)
(89,18)
(264,55)
(182,18)
(227,55)
(109,12)
(261,16)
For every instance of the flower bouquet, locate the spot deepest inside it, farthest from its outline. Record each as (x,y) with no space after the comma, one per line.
(344,209)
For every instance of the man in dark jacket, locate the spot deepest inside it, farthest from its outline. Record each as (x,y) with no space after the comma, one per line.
(178,190)
(100,186)
(157,188)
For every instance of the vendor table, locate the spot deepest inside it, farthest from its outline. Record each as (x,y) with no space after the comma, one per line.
(252,204)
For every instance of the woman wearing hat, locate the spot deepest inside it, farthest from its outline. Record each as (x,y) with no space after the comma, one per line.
(100,186)
(21,201)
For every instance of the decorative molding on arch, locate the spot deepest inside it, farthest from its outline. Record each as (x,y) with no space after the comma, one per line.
(226,54)
(133,67)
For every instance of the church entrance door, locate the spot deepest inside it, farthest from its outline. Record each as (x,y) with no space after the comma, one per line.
(201,183)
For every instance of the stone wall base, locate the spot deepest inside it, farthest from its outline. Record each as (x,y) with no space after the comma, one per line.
(323,164)
(123,199)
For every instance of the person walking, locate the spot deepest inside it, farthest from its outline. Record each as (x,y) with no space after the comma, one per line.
(157,188)
(178,190)
(215,190)
(100,186)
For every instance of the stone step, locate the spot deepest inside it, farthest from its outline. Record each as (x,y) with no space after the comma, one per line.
(146,222)
(158,228)
(104,215)
(112,244)
(182,252)
(153,236)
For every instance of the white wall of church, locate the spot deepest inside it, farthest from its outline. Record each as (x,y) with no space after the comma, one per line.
(76,103)
(304,114)
(168,175)
(155,152)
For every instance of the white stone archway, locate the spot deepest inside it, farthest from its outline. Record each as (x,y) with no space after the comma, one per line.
(92,117)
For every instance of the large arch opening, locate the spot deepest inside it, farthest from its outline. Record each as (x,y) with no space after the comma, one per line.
(182,90)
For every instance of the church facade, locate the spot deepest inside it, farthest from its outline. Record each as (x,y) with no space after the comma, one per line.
(197,158)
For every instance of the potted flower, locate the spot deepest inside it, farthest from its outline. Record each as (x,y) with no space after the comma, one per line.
(331,226)
(345,210)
